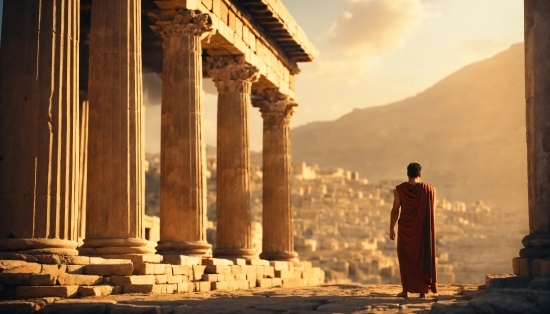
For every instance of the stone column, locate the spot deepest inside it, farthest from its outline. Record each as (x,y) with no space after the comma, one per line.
(38,127)
(233,79)
(537,79)
(278,238)
(115,194)
(182,199)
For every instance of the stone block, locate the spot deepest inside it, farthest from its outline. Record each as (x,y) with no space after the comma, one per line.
(19,307)
(23,292)
(109,269)
(277,282)
(290,282)
(98,291)
(219,285)
(77,306)
(75,269)
(235,269)
(152,289)
(150,269)
(181,260)
(220,277)
(233,285)
(174,279)
(216,7)
(184,287)
(269,272)
(183,270)
(251,283)
(264,283)
(133,309)
(281,265)
(251,277)
(216,262)
(79,280)
(228,277)
(217,269)
(169,288)
(133,280)
(203,286)
(540,283)
(161,279)
(260,271)
(54,269)
(54,259)
(238,261)
(210,277)
(298,274)
(284,274)
(207,4)
(100,260)
(136,258)
(7,266)
(240,277)
(249,269)
(15,279)
(313,281)
(43,280)
(257,262)
(520,266)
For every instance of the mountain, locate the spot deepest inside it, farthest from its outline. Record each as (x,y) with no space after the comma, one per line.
(467,131)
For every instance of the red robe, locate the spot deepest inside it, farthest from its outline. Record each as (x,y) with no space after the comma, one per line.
(416,237)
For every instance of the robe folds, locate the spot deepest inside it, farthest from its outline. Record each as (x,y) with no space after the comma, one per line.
(416,237)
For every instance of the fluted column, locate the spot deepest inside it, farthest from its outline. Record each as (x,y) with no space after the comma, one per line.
(182,190)
(233,79)
(537,79)
(278,238)
(115,194)
(38,127)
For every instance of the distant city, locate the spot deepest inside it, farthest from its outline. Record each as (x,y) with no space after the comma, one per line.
(341,224)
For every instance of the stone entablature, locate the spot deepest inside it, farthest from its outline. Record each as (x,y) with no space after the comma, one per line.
(238,32)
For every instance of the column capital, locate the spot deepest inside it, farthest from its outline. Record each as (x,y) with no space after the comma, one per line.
(231,73)
(181,22)
(275,107)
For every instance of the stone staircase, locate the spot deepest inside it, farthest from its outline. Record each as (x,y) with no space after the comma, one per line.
(42,276)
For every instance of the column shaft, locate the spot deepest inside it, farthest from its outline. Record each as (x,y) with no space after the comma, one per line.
(234,82)
(115,189)
(182,190)
(39,124)
(278,238)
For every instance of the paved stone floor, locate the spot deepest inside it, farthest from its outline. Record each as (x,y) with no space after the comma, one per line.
(324,299)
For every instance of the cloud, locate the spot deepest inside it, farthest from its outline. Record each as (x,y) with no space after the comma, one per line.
(364,32)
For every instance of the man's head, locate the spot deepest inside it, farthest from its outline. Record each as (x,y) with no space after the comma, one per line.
(414,170)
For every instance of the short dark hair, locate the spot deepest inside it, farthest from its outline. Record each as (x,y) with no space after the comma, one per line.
(414,169)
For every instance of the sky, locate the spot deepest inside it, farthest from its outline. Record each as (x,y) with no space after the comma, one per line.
(375,52)
(372,53)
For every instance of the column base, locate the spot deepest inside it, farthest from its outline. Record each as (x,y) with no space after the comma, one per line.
(100,247)
(234,253)
(280,256)
(38,246)
(189,248)
(534,260)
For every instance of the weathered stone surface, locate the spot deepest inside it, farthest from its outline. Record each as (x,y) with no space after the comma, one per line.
(217,269)
(54,269)
(160,279)
(23,292)
(217,261)
(151,269)
(42,280)
(181,270)
(135,280)
(136,258)
(133,309)
(8,266)
(264,283)
(182,260)
(498,303)
(109,269)
(75,269)
(56,259)
(509,281)
(101,260)
(154,289)
(98,291)
(540,283)
(219,285)
(197,272)
(78,306)
(19,307)
(258,262)
(210,277)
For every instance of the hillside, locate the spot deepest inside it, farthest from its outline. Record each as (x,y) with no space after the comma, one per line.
(467,131)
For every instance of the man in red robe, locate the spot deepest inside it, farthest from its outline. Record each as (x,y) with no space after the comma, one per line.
(416,238)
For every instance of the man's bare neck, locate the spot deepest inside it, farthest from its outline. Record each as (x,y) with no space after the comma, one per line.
(414,181)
